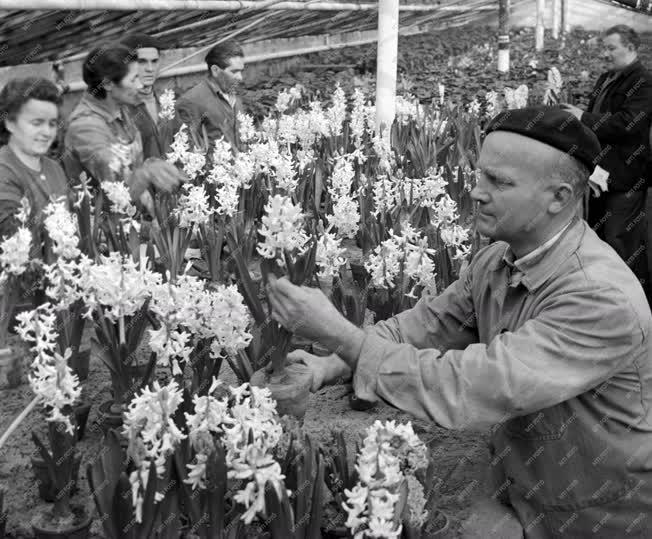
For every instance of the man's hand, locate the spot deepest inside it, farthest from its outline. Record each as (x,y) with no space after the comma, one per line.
(575,111)
(309,313)
(325,370)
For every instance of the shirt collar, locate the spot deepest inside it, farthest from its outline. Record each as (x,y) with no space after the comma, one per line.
(537,266)
(99,107)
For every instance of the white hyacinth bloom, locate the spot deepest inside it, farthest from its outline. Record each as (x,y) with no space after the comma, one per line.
(193,208)
(120,198)
(329,256)
(282,228)
(167,102)
(61,226)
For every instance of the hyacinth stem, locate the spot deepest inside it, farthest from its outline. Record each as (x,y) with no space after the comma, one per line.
(19,419)
(121,329)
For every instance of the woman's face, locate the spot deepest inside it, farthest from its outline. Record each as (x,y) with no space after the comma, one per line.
(126,93)
(35,127)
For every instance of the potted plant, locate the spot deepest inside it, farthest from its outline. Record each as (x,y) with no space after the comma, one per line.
(137,497)
(286,249)
(57,389)
(226,459)
(390,500)
(117,292)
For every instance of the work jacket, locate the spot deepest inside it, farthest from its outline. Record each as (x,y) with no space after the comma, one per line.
(554,354)
(206,108)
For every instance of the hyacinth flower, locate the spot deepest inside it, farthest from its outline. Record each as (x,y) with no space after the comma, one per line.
(286,250)
(201,326)
(137,497)
(388,500)
(15,260)
(57,389)
(116,292)
(227,463)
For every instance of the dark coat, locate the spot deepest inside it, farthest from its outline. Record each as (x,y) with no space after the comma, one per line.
(623,125)
(204,107)
(149,131)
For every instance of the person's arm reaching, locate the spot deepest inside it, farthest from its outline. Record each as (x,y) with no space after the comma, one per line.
(579,340)
(92,144)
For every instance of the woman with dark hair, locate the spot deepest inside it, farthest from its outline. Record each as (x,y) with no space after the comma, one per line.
(101,138)
(30,111)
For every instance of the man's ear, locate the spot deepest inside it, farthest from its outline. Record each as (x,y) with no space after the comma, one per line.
(215,70)
(563,196)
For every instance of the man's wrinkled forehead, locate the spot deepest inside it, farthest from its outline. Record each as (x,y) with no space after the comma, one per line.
(513,152)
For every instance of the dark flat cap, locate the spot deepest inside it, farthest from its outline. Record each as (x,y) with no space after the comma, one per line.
(553,126)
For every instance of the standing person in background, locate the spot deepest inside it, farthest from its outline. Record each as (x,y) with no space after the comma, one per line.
(212,106)
(619,112)
(146,113)
(102,138)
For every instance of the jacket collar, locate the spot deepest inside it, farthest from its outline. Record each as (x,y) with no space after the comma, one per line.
(627,70)
(537,269)
(98,106)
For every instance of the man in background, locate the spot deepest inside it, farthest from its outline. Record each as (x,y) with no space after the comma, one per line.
(146,113)
(210,108)
(619,112)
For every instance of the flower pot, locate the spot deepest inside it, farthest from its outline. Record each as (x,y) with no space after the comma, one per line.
(11,367)
(80,362)
(360,405)
(81,411)
(46,490)
(438,525)
(290,389)
(110,417)
(334,532)
(45,526)
(137,371)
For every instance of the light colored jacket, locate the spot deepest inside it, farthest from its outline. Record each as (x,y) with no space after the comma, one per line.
(558,361)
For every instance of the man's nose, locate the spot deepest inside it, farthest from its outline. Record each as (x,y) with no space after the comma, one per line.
(478,194)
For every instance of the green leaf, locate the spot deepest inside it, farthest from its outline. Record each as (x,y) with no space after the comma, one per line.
(317,502)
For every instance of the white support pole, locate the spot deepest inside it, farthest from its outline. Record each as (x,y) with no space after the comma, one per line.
(386,63)
(556,18)
(503,36)
(539,32)
(565,16)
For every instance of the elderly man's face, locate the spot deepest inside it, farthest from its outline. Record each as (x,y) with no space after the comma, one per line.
(617,54)
(514,188)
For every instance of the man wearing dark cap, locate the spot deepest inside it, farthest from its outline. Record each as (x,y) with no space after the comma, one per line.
(546,338)
(619,112)
(146,113)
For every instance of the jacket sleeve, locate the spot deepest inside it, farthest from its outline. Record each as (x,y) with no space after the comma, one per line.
(445,321)
(11,194)
(579,340)
(627,122)
(89,141)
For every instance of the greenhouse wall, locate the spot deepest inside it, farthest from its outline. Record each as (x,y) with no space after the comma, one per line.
(589,14)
